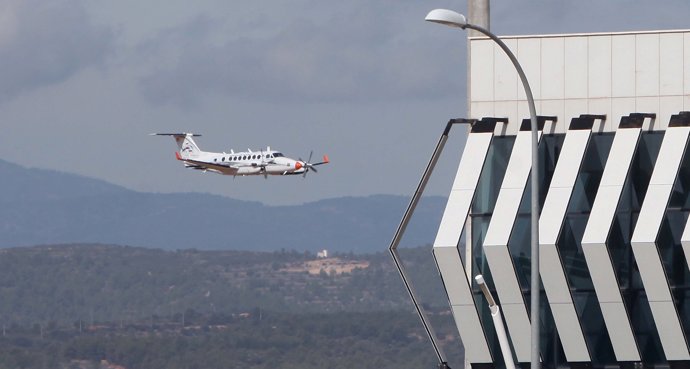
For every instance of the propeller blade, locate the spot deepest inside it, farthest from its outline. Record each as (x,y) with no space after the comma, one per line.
(308,165)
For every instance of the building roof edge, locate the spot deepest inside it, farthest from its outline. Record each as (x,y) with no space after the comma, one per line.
(560,35)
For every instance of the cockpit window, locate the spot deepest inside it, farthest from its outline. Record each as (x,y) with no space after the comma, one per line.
(278,155)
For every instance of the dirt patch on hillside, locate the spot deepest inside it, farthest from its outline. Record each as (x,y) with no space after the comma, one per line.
(329,265)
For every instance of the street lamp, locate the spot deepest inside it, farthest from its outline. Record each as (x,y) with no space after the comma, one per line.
(454,19)
(498,323)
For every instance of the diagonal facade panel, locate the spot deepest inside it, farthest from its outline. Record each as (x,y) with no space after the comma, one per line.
(596,251)
(496,251)
(447,254)
(646,249)
(550,265)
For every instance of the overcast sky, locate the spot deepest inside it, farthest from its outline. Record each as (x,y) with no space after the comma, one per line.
(367,82)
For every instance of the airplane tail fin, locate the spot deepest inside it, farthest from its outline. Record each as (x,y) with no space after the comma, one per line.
(185,143)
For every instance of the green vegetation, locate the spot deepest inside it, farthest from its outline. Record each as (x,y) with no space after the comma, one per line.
(348,340)
(99,306)
(68,283)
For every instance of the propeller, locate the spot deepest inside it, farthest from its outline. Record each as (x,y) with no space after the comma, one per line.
(308,165)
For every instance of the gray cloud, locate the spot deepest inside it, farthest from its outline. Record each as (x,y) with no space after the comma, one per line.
(355,55)
(46,42)
(356,51)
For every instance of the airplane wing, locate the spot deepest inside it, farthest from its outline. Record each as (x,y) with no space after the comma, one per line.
(253,165)
(202,165)
(223,166)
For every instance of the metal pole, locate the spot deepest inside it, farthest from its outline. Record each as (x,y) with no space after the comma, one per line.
(534,176)
(479,11)
(498,323)
(398,236)
(393,248)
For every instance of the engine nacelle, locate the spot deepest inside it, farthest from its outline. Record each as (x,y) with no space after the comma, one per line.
(248,170)
(276,169)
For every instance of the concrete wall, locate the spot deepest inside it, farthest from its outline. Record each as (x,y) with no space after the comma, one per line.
(613,74)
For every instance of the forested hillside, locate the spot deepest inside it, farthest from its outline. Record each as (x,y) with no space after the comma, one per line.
(67,283)
(102,306)
(270,340)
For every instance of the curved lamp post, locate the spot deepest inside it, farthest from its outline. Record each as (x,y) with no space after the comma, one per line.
(454,19)
(498,323)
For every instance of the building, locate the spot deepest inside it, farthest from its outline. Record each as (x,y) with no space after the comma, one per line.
(615,198)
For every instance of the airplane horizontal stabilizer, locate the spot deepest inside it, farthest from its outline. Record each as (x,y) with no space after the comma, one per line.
(183,134)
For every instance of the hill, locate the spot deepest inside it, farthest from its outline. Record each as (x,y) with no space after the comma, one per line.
(105,306)
(47,207)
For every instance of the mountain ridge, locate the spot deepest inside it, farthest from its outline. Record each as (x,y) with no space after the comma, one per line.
(45,206)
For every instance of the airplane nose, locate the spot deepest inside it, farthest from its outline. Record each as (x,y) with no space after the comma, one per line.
(298,165)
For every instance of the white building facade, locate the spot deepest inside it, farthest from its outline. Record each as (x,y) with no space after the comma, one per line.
(615,198)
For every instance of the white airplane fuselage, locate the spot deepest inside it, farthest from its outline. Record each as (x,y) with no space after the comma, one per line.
(247,163)
(268,162)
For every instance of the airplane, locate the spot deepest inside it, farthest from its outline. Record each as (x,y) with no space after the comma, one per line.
(263,162)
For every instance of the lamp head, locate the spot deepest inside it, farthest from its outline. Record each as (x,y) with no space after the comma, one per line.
(447,17)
